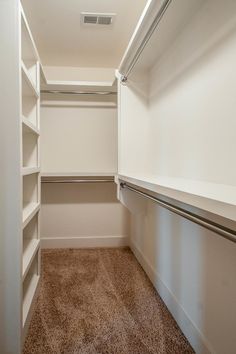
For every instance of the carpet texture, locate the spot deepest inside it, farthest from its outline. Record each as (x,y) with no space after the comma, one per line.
(100,301)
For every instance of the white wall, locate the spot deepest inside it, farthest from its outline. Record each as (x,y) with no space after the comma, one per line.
(187,129)
(83,215)
(81,140)
(192,100)
(78,139)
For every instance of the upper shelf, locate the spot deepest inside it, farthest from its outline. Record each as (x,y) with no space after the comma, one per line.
(28,48)
(215,198)
(88,86)
(81,86)
(157,28)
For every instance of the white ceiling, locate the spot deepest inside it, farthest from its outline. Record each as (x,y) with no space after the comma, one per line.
(62,40)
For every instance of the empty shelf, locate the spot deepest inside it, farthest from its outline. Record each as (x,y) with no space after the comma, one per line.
(29,210)
(30,249)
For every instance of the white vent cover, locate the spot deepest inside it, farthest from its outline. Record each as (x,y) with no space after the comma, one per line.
(88,18)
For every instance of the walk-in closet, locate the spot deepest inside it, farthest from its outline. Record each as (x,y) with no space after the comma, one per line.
(118,177)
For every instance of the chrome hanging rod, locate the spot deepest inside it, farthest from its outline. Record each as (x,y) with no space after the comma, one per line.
(145,40)
(208,224)
(77,181)
(100,93)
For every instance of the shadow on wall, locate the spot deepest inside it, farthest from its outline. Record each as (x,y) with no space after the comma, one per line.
(78,193)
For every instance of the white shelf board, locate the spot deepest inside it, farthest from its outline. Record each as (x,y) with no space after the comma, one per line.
(29,210)
(28,87)
(28,127)
(215,198)
(30,170)
(30,250)
(91,86)
(29,296)
(67,103)
(77,174)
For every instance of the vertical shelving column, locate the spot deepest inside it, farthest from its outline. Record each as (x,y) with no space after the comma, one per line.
(30,88)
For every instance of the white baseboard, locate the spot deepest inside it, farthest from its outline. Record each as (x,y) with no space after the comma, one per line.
(195,338)
(84,242)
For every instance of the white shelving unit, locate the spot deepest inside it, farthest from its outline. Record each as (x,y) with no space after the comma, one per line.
(30,162)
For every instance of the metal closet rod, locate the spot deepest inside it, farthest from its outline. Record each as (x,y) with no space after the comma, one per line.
(208,224)
(100,93)
(78,181)
(148,35)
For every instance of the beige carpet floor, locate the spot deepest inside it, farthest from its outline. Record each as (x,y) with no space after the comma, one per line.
(100,301)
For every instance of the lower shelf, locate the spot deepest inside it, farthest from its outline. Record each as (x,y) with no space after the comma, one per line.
(31,246)
(30,286)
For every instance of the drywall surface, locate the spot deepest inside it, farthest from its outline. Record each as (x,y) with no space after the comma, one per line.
(83,215)
(192,100)
(78,139)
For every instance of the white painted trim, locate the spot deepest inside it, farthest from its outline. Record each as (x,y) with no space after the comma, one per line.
(194,336)
(86,104)
(84,242)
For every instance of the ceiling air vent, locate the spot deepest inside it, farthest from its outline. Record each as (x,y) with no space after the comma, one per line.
(97,18)
(90,20)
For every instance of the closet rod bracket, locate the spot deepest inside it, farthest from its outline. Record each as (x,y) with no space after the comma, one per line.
(124,79)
